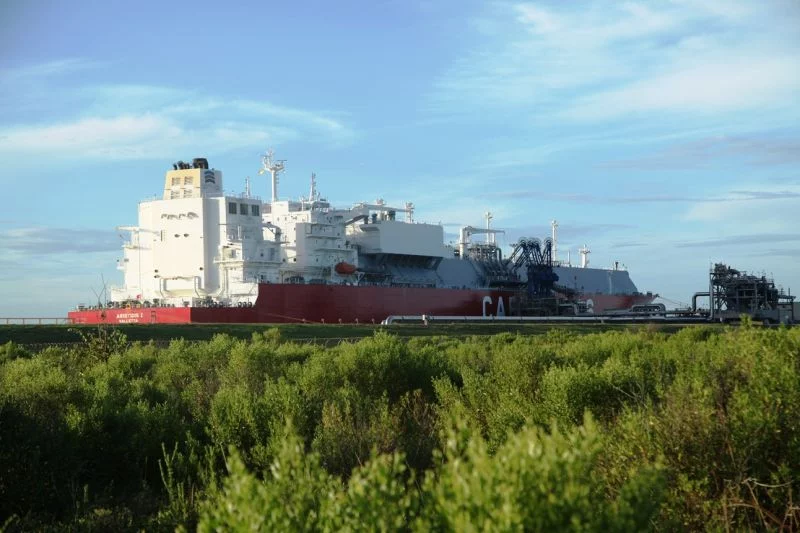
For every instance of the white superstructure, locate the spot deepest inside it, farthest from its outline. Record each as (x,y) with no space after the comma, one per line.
(198,246)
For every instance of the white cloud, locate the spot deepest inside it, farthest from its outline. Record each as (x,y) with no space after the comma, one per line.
(596,27)
(707,86)
(46,70)
(752,149)
(541,20)
(25,241)
(118,137)
(161,121)
(608,59)
(773,210)
(136,137)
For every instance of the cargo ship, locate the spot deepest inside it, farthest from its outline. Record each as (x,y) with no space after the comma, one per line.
(199,255)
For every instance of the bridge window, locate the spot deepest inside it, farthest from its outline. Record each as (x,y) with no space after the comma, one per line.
(231,208)
(254,210)
(176,181)
(242,209)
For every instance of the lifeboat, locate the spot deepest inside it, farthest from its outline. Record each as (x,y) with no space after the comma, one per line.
(344,268)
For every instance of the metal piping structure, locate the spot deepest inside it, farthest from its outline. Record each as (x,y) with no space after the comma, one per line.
(598,319)
(733,293)
(695,297)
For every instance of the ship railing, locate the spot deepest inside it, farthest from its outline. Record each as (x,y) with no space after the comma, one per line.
(243,196)
(27,320)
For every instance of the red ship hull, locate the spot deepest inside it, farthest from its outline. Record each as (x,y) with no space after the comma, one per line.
(333,304)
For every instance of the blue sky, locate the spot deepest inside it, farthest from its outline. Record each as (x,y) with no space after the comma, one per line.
(665,135)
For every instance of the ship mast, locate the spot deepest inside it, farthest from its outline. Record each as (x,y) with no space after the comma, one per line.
(409,212)
(554,224)
(585,251)
(274,167)
(489,234)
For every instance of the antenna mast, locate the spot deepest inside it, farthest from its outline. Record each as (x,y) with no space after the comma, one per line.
(489,235)
(585,251)
(274,167)
(554,224)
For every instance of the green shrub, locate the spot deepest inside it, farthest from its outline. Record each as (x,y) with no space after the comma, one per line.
(39,463)
(536,481)
(352,428)
(694,430)
(291,497)
(9,351)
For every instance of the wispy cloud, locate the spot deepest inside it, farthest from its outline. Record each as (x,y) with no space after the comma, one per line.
(611,59)
(758,209)
(135,137)
(629,244)
(730,197)
(754,150)
(143,122)
(58,241)
(706,85)
(117,137)
(792,252)
(48,69)
(741,240)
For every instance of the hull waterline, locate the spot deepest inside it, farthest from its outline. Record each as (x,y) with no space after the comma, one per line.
(331,304)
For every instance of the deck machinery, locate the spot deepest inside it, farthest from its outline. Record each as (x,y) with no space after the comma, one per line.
(733,293)
(529,270)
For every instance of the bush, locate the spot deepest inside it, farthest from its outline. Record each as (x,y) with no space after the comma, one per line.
(536,481)
(693,430)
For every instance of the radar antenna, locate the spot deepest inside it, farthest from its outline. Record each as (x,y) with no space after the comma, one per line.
(274,167)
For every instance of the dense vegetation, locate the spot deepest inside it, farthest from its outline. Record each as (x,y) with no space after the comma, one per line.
(623,430)
(41,336)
